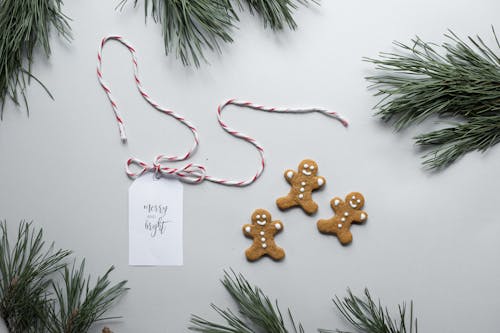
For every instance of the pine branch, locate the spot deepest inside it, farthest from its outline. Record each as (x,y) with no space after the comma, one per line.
(256,311)
(190,27)
(24,25)
(275,13)
(25,277)
(458,80)
(78,305)
(369,317)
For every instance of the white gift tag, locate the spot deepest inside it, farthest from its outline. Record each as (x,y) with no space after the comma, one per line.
(155,221)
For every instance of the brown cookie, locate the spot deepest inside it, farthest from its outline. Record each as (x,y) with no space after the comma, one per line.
(346,212)
(262,230)
(303,182)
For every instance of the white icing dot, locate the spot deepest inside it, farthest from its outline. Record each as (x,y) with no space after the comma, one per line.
(257,217)
(359,201)
(301,196)
(339,225)
(247,229)
(353,197)
(346,214)
(311,167)
(363,216)
(262,239)
(343,219)
(320,181)
(264,245)
(264,216)
(336,202)
(306,166)
(277,226)
(302,189)
(262,233)
(303,183)
(289,174)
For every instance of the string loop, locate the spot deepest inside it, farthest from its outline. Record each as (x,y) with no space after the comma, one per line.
(190,173)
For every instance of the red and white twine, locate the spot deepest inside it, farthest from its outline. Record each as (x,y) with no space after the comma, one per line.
(190,173)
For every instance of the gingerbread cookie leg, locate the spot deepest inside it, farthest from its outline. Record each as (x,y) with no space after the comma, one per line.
(309,206)
(254,252)
(276,252)
(286,202)
(327,227)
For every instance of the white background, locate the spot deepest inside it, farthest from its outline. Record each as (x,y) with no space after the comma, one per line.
(430,237)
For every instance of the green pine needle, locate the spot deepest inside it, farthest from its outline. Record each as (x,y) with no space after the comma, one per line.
(458,80)
(369,317)
(256,311)
(24,25)
(191,26)
(276,13)
(78,305)
(25,276)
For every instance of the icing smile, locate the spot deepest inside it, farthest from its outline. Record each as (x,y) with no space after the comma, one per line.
(305,172)
(354,202)
(261,222)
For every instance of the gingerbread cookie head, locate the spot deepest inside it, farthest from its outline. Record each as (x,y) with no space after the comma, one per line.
(261,217)
(308,168)
(262,230)
(346,213)
(303,182)
(356,200)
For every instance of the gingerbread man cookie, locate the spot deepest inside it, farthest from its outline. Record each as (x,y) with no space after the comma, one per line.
(303,182)
(262,230)
(346,212)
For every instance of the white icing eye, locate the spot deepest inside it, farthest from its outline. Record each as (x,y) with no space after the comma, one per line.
(311,167)
(264,216)
(358,201)
(306,166)
(257,217)
(353,197)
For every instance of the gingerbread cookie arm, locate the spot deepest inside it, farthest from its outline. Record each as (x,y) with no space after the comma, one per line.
(338,205)
(319,182)
(289,175)
(359,216)
(278,226)
(247,230)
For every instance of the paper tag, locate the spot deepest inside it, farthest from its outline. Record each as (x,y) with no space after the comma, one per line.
(155,221)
